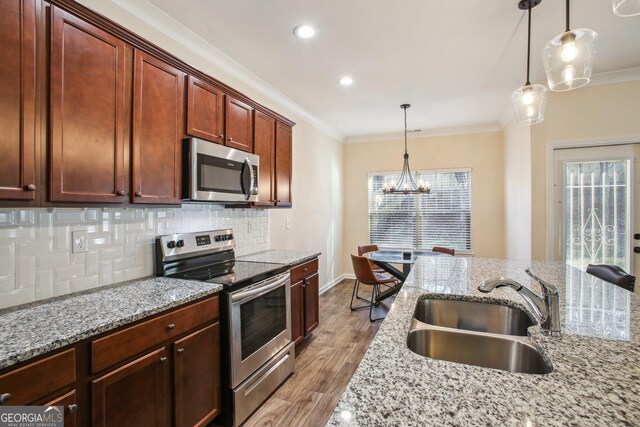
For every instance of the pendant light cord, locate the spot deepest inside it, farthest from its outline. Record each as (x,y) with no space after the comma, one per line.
(529,46)
(567,17)
(405,131)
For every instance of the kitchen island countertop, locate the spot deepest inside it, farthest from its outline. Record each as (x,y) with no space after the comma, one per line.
(596,377)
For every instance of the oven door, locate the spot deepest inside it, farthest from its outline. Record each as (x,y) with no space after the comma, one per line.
(260,325)
(222,174)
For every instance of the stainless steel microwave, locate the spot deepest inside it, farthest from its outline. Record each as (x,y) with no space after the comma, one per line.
(215,173)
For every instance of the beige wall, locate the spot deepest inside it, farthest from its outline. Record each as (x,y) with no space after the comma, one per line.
(517,191)
(482,152)
(316,216)
(594,113)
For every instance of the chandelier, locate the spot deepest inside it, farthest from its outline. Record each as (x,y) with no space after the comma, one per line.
(406,184)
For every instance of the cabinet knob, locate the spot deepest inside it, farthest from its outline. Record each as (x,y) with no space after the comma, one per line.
(221,136)
(180,350)
(230,139)
(4,398)
(73,408)
(171,325)
(305,269)
(138,194)
(30,187)
(163,359)
(121,193)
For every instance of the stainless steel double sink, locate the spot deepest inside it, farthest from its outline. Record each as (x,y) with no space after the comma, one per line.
(483,334)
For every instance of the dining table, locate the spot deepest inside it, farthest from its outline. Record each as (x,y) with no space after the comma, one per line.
(385,259)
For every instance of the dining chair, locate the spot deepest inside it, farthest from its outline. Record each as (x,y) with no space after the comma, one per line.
(365,275)
(451,252)
(613,274)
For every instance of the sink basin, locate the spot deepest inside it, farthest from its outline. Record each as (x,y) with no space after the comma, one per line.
(473,316)
(490,351)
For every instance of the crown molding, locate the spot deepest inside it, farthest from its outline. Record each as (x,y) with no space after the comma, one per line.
(394,136)
(153,17)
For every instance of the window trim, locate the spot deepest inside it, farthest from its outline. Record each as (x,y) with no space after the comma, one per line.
(466,252)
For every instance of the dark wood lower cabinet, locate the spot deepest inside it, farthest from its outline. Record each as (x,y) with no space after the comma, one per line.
(311,303)
(297,312)
(133,395)
(197,386)
(68,401)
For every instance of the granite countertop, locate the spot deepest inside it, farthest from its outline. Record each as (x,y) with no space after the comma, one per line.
(48,325)
(276,256)
(596,377)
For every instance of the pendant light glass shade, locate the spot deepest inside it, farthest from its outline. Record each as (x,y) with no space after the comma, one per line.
(529,103)
(626,7)
(568,59)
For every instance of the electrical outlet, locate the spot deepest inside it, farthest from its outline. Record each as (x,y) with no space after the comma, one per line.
(79,242)
(288,223)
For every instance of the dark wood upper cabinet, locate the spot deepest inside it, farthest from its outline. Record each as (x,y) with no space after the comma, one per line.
(264,139)
(133,395)
(87,112)
(283,165)
(238,125)
(157,130)
(205,111)
(197,380)
(17,99)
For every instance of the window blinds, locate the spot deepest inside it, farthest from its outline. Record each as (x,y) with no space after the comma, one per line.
(421,221)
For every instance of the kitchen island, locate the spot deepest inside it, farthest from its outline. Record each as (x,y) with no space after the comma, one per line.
(596,376)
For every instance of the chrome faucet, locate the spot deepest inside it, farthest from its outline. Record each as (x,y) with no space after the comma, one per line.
(545,308)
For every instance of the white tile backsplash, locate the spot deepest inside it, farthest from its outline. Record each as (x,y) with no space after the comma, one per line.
(35,244)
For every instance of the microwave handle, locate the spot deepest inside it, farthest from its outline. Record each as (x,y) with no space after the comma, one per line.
(247,166)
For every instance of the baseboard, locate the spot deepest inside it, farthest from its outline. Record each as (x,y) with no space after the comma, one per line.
(335,281)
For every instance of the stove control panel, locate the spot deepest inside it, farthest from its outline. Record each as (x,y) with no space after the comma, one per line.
(184,245)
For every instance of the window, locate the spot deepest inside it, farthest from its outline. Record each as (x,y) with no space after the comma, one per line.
(421,221)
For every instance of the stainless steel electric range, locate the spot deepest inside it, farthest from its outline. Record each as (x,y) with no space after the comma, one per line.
(257,351)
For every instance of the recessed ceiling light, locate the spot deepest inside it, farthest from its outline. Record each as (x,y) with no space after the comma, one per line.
(345,81)
(304,31)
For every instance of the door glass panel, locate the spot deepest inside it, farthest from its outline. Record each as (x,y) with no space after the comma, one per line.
(597,213)
(219,175)
(262,319)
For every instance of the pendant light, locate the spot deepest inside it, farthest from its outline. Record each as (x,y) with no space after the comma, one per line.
(626,7)
(530,100)
(568,57)
(406,183)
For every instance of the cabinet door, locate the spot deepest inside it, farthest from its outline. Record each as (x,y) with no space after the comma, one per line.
(264,132)
(70,407)
(311,304)
(283,165)
(197,377)
(87,112)
(239,125)
(297,312)
(157,130)
(17,96)
(133,395)
(205,111)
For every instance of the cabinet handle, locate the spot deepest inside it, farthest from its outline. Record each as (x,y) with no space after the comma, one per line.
(138,194)
(4,398)
(171,325)
(73,408)
(230,139)
(121,193)
(221,136)
(30,187)
(180,350)
(163,359)
(305,269)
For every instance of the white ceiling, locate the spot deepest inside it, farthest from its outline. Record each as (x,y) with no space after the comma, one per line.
(456,62)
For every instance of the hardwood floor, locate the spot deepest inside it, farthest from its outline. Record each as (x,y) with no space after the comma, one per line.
(325,362)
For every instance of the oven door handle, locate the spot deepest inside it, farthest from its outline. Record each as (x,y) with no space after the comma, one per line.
(255,292)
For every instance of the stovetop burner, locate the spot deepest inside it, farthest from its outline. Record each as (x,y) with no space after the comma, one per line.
(233,274)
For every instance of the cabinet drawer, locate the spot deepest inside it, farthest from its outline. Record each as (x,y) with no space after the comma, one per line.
(39,379)
(304,270)
(128,342)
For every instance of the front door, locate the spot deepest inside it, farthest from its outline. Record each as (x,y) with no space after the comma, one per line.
(595,206)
